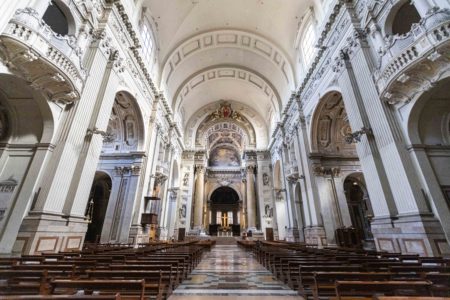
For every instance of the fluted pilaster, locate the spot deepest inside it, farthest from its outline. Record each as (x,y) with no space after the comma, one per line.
(199,195)
(251,201)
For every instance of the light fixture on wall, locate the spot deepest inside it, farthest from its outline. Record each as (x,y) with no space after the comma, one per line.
(355,137)
(107,136)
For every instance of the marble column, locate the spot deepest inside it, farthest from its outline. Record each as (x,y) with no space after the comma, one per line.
(199,195)
(251,201)
(243,203)
(396,192)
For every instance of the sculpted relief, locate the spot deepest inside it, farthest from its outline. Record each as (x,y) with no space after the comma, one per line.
(331,128)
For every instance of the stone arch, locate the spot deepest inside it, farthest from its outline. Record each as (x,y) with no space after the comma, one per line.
(401,17)
(427,131)
(257,122)
(55,20)
(125,131)
(330,125)
(97,205)
(216,185)
(27,123)
(428,120)
(225,118)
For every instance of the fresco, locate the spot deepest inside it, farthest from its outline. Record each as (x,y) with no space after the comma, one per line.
(224,157)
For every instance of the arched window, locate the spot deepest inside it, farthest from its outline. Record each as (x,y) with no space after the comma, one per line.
(56,19)
(147,40)
(405,17)
(307,45)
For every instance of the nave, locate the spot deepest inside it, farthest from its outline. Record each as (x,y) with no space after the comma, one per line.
(200,269)
(230,272)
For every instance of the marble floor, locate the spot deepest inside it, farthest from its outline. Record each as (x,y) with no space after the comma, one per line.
(228,272)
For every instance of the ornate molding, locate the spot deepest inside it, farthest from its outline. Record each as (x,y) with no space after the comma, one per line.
(227,73)
(413,63)
(326,171)
(50,62)
(227,38)
(127,170)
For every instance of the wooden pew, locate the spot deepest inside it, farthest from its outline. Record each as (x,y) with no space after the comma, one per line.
(324,282)
(157,283)
(129,288)
(367,289)
(63,297)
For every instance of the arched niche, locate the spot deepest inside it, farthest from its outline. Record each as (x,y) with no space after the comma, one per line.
(26,115)
(329,127)
(27,126)
(429,129)
(429,119)
(125,131)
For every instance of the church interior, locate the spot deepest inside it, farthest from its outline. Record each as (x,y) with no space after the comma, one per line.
(225,149)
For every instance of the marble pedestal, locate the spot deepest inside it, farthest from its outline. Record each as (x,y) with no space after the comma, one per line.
(410,234)
(50,233)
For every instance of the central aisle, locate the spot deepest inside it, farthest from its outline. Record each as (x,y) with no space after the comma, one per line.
(228,270)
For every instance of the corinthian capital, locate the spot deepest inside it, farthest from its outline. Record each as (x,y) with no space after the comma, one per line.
(251,169)
(200,169)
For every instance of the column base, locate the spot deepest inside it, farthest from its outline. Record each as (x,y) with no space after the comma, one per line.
(292,235)
(315,235)
(50,233)
(410,234)
(138,234)
(163,233)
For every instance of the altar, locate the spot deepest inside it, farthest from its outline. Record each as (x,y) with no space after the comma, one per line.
(219,230)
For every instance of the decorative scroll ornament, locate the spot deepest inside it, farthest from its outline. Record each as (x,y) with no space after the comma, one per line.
(224,112)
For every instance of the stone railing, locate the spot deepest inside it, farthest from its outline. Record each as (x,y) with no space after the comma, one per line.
(49,61)
(426,41)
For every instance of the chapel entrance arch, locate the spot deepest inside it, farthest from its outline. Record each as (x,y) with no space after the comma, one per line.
(224,208)
(96,209)
(359,206)
(337,171)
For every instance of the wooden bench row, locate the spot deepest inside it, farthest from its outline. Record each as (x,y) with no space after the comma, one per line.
(139,274)
(342,273)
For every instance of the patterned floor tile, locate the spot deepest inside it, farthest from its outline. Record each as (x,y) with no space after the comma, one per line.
(228,270)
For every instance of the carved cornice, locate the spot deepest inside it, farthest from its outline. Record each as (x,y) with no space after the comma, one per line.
(326,171)
(127,170)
